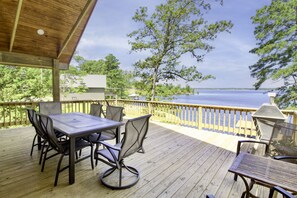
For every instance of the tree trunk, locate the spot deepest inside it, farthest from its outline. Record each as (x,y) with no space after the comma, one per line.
(154,84)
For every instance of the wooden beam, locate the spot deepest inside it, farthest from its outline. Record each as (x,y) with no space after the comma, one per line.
(16,21)
(18,59)
(75,26)
(56,80)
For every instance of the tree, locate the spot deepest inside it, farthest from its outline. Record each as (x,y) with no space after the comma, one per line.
(117,80)
(176,29)
(24,84)
(115,77)
(71,81)
(89,66)
(276,32)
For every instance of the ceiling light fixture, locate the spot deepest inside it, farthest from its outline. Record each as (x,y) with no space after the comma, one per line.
(40,32)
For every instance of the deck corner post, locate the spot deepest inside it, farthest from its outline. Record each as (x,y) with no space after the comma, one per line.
(56,80)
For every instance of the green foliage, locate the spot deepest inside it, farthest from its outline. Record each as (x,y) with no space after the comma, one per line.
(117,80)
(24,84)
(163,91)
(176,28)
(71,81)
(276,32)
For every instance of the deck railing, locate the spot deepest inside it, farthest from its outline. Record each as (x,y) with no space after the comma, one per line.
(234,120)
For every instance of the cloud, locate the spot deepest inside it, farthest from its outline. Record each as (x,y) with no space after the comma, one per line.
(109,41)
(112,20)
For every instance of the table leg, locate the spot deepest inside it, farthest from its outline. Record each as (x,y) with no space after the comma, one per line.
(248,187)
(118,137)
(72,160)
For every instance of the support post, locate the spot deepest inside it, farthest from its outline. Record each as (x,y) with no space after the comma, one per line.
(199,118)
(295,118)
(56,81)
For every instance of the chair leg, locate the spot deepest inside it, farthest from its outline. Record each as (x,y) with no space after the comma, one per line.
(42,151)
(120,177)
(58,170)
(235,177)
(97,147)
(141,150)
(92,157)
(33,144)
(44,158)
(120,185)
(96,162)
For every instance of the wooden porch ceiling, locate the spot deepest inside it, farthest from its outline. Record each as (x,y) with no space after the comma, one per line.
(63,23)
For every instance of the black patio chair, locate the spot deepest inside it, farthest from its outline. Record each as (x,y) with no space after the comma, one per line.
(114,155)
(281,146)
(39,133)
(112,113)
(45,147)
(62,147)
(280,190)
(48,108)
(96,110)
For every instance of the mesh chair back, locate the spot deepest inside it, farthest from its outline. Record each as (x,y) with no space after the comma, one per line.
(33,119)
(46,124)
(48,108)
(96,110)
(135,132)
(31,113)
(113,113)
(284,140)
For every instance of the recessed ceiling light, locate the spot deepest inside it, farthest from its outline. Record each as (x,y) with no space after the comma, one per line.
(40,32)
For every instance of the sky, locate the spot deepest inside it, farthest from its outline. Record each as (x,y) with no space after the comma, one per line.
(111,21)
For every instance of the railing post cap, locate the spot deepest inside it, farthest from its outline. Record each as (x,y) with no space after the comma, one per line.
(271,94)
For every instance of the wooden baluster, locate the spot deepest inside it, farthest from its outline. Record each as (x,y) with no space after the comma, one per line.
(234,121)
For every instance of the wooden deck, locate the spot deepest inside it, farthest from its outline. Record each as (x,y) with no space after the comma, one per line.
(179,162)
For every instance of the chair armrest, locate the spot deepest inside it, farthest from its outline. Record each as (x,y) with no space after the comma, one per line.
(280,190)
(282,157)
(250,141)
(110,146)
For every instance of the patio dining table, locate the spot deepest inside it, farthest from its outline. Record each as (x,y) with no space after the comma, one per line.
(75,125)
(265,171)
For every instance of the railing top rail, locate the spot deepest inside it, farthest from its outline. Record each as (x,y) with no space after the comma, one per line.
(205,106)
(191,105)
(64,101)
(292,112)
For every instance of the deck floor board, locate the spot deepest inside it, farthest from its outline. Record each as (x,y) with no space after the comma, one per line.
(178,162)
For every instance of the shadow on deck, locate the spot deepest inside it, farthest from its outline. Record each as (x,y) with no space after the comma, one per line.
(179,162)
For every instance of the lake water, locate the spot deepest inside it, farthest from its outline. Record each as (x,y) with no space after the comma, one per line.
(239,98)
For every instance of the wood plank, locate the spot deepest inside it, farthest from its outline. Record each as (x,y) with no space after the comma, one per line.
(15,25)
(178,162)
(19,59)
(154,165)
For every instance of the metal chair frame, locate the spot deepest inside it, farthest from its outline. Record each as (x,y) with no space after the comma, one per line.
(62,147)
(114,155)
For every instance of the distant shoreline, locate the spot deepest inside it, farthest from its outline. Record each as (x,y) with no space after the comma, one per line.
(233,88)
